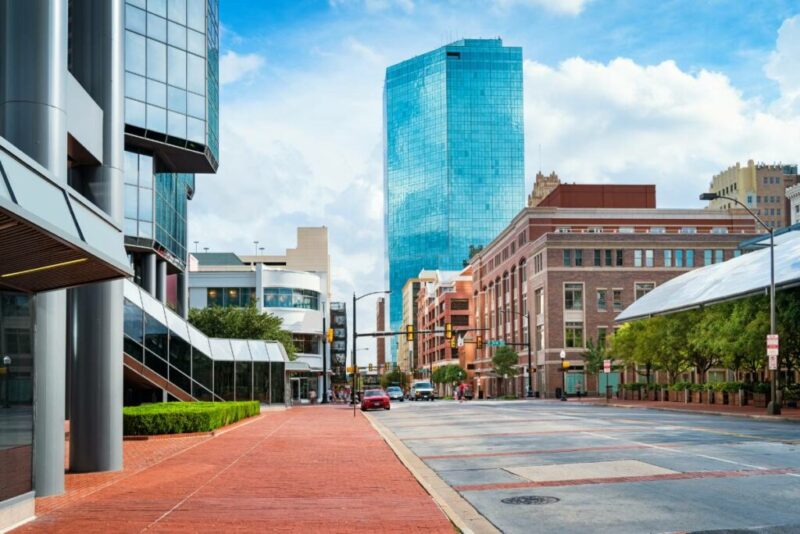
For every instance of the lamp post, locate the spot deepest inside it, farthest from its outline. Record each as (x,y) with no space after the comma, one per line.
(563,355)
(773,408)
(6,377)
(355,339)
(324,358)
(527,317)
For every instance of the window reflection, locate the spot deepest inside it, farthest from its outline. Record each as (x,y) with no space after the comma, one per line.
(283,297)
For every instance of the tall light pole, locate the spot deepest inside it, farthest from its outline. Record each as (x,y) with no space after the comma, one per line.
(6,379)
(195,245)
(355,339)
(256,248)
(773,408)
(324,358)
(527,317)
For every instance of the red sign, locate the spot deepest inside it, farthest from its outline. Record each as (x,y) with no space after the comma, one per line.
(606,366)
(772,345)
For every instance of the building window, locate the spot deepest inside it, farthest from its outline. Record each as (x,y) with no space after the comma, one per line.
(601,300)
(719,230)
(608,258)
(648,258)
(737,253)
(306,343)
(598,258)
(679,258)
(285,297)
(616,297)
(637,258)
(719,256)
(573,335)
(602,334)
(658,230)
(642,289)
(539,337)
(567,253)
(563,230)
(688,230)
(539,301)
(626,230)
(573,296)
(578,258)
(690,258)
(619,258)
(595,230)
(667,258)
(708,257)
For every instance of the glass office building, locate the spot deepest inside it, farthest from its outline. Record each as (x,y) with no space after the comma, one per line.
(453,156)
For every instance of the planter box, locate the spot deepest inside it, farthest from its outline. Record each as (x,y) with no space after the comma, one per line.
(697,397)
(720,397)
(760,400)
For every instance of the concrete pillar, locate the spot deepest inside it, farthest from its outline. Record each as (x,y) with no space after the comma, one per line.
(149,273)
(33,116)
(183,294)
(97,388)
(161,281)
(260,286)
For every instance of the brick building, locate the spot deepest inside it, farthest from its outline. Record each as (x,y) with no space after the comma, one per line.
(407,350)
(575,268)
(446,298)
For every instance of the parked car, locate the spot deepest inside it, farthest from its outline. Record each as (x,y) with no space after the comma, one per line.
(421,391)
(375,398)
(395,393)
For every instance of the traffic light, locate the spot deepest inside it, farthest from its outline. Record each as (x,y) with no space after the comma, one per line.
(448,330)
(410,332)
(350,369)
(370,368)
(330,335)
(453,343)
(479,342)
(565,364)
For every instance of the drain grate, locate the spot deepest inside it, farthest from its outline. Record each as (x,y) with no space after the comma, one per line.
(530,499)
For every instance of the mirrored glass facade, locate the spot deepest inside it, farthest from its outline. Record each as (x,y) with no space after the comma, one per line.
(454,162)
(172,72)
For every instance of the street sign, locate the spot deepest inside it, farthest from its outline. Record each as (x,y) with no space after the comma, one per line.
(772,345)
(496,343)
(773,362)
(460,341)
(606,366)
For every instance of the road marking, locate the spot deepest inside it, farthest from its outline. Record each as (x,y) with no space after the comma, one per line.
(535,452)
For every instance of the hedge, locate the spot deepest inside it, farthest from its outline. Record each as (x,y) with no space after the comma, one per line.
(184,417)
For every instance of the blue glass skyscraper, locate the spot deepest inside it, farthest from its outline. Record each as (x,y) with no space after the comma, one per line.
(453,156)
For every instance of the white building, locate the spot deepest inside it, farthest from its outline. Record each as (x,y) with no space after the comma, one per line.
(793,194)
(295,287)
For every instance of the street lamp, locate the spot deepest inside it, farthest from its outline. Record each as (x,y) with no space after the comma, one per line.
(527,317)
(563,356)
(6,374)
(773,408)
(355,339)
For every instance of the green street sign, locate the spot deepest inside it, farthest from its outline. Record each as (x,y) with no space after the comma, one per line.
(496,343)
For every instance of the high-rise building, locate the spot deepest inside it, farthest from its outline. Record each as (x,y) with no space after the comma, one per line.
(453,157)
(760,186)
(380,326)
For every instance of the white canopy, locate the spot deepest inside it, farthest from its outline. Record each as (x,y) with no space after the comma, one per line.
(736,278)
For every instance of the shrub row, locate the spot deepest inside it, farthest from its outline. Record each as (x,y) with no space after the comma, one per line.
(184,417)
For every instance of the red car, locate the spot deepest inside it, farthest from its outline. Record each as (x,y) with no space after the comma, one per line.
(375,398)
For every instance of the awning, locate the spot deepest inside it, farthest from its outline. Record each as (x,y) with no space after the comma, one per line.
(733,279)
(297,367)
(50,236)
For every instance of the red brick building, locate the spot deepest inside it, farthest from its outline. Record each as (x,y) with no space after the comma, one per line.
(445,299)
(575,268)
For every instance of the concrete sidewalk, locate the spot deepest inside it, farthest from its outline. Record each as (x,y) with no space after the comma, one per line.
(309,469)
(787,414)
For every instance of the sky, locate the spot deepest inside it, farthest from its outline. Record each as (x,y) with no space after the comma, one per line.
(668,92)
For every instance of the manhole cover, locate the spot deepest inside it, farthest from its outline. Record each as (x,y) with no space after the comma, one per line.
(529,499)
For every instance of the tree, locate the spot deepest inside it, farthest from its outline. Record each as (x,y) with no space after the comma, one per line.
(594,356)
(449,374)
(671,353)
(395,377)
(636,343)
(504,362)
(242,323)
(473,249)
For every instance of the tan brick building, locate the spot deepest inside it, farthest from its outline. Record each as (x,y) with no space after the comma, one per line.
(575,269)
(446,298)
(760,186)
(407,350)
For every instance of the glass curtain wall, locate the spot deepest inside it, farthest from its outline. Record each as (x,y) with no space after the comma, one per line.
(16,396)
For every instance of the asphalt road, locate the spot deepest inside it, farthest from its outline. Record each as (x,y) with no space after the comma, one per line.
(549,466)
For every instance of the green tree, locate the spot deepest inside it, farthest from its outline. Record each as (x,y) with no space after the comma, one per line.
(504,363)
(636,343)
(671,353)
(787,311)
(594,357)
(449,374)
(395,377)
(242,323)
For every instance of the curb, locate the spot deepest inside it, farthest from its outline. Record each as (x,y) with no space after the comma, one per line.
(774,418)
(457,509)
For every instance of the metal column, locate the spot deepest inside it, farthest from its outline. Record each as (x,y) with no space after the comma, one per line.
(149,273)
(33,117)
(161,281)
(97,389)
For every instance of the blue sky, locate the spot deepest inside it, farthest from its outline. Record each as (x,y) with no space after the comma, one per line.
(631,91)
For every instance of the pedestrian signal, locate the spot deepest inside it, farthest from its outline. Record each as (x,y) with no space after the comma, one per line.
(565,364)
(453,343)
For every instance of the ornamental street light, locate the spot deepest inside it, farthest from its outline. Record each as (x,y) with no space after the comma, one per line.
(355,339)
(563,355)
(527,317)
(6,378)
(773,408)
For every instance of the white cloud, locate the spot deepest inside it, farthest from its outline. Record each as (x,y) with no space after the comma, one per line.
(784,64)
(626,122)
(234,67)
(562,7)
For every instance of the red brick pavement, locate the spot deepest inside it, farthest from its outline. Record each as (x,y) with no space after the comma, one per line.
(311,469)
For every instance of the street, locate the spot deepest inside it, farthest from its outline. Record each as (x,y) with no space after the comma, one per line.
(620,470)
